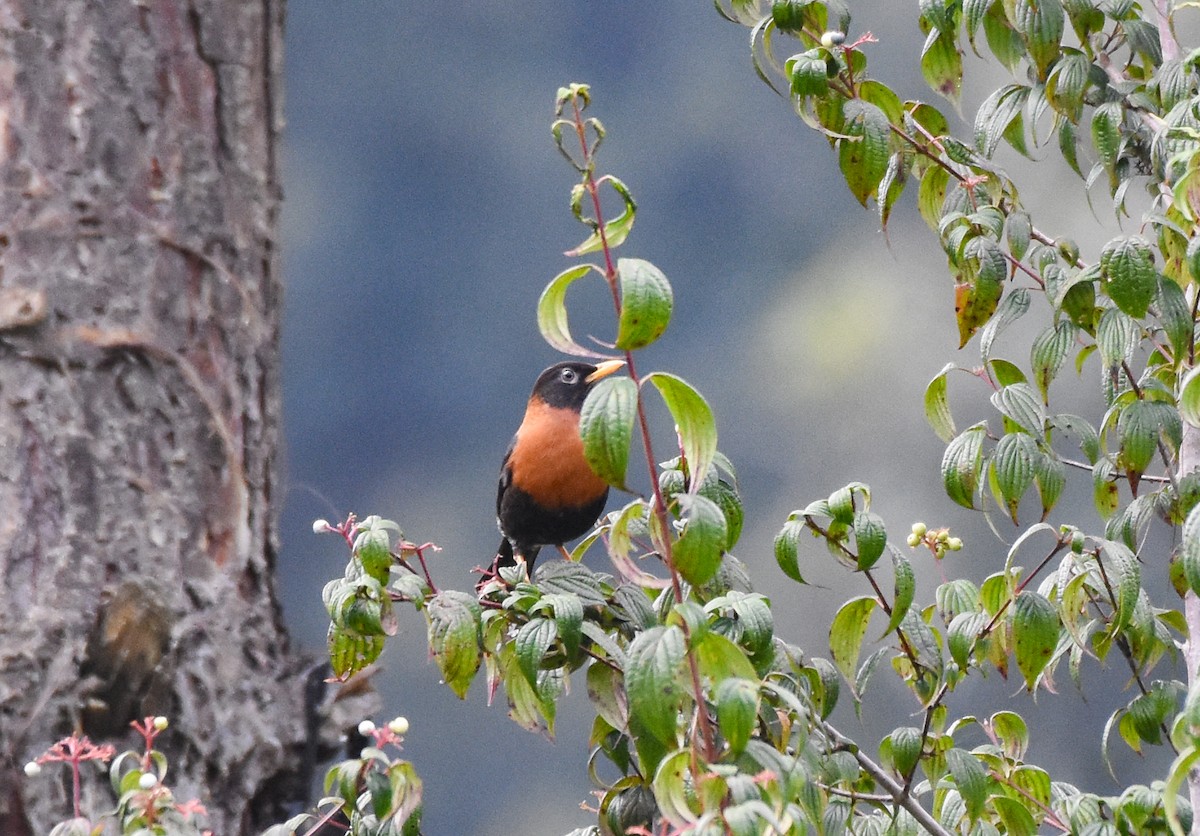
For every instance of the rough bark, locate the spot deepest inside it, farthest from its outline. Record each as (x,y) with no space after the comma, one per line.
(139,397)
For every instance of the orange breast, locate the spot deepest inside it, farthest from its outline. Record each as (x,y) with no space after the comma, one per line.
(547,460)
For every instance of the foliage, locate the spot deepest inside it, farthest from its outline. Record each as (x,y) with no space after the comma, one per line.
(706,721)
(374,793)
(710,721)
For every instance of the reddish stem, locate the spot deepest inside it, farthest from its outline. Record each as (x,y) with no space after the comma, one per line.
(659,508)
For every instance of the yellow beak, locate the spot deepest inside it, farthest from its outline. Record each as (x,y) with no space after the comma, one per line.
(604,370)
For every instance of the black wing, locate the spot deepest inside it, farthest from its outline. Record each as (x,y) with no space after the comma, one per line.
(505,476)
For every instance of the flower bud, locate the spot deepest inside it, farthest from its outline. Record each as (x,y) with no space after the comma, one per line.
(399,726)
(366,727)
(33,769)
(919,529)
(148,780)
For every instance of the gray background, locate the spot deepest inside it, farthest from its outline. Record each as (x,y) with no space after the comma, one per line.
(427,208)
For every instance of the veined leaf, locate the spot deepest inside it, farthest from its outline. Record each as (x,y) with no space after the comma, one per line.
(996,114)
(971,778)
(653,667)
(1049,352)
(1040,23)
(1035,634)
(1021,405)
(1176,319)
(1012,469)
(552,311)
(870,538)
(863,152)
(1127,274)
(454,637)
(787,551)
(606,426)
(1011,308)
(646,303)
(937,406)
(961,465)
(697,552)
(941,64)
(693,421)
(847,631)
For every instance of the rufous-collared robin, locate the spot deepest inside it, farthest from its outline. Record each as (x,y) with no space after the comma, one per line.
(548,494)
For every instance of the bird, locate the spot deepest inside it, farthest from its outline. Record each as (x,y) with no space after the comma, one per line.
(548,494)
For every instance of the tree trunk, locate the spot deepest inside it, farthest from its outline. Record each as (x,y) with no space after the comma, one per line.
(139,399)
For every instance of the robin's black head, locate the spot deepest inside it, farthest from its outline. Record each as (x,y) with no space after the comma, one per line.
(565,385)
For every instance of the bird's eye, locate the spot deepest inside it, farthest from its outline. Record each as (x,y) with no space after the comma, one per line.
(568,376)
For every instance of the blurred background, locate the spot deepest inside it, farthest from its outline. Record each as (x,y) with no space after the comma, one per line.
(427,207)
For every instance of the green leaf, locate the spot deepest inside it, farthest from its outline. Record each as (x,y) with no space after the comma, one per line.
(931,195)
(616,230)
(527,706)
(1040,23)
(1127,274)
(606,690)
(1050,474)
(1049,352)
(975,302)
(1017,820)
(1106,136)
(807,73)
(971,779)
(1138,428)
(351,651)
(453,620)
(646,303)
(1116,337)
(998,112)
(758,625)
(961,465)
(1012,469)
(726,497)
(1021,405)
(1176,319)
(534,638)
(937,405)
(1104,488)
(373,547)
(674,790)
(1004,41)
(719,658)
(905,587)
(1189,397)
(962,634)
(787,549)
(568,618)
(1067,84)
(697,552)
(737,711)
(1011,732)
(606,426)
(565,576)
(1035,634)
(847,631)
(552,311)
(941,64)
(1011,308)
(906,748)
(870,536)
(863,152)
(653,667)
(693,421)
